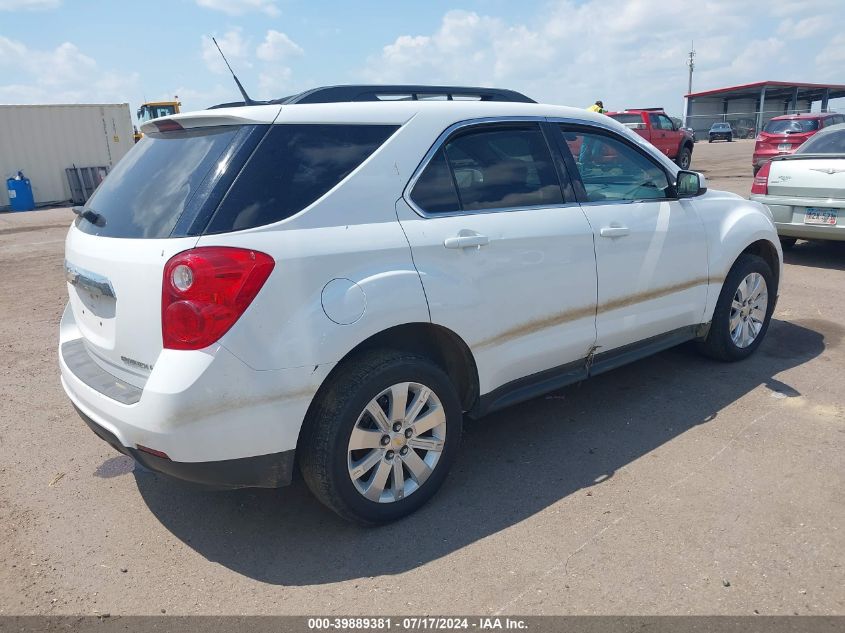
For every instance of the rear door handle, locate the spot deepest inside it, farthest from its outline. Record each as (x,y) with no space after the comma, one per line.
(466,241)
(614,231)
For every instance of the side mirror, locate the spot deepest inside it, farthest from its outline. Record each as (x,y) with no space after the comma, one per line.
(689,184)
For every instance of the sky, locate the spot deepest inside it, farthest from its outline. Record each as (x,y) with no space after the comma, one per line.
(629,53)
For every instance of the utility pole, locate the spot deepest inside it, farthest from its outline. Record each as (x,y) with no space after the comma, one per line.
(691,64)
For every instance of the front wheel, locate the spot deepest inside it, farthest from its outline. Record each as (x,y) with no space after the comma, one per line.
(382,436)
(743,310)
(684,158)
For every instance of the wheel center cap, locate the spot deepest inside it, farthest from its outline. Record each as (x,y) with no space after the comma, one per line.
(399,441)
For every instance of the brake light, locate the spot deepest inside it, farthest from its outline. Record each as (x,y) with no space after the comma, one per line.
(761,180)
(168,125)
(206,290)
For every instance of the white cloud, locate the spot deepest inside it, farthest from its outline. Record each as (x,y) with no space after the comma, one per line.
(277,46)
(240,7)
(275,83)
(626,53)
(234,46)
(29,5)
(61,75)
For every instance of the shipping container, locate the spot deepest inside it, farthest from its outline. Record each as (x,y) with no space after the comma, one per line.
(43,141)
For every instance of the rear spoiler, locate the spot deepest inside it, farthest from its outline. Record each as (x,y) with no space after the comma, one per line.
(246,115)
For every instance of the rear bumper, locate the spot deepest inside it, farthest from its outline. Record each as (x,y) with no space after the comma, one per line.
(198,407)
(264,471)
(788,217)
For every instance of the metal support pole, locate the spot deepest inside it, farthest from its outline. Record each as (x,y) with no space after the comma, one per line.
(825,99)
(794,100)
(760,109)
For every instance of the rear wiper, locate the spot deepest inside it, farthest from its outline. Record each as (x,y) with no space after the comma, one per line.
(89,214)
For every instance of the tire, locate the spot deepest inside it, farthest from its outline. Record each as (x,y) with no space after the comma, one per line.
(787,242)
(730,139)
(684,158)
(709,140)
(720,343)
(340,476)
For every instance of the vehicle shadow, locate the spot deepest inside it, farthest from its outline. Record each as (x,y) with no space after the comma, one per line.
(512,465)
(817,253)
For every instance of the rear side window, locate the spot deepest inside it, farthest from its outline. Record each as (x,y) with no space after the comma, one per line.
(791,126)
(293,166)
(150,188)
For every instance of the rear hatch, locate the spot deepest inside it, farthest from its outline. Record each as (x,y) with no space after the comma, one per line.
(154,204)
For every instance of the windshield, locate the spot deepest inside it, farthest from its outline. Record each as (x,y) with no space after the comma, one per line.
(149,189)
(791,126)
(825,143)
(720,126)
(148,112)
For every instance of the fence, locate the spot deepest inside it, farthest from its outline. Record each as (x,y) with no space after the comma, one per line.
(744,124)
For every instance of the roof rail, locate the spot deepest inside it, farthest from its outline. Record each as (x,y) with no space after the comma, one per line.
(645,109)
(340,94)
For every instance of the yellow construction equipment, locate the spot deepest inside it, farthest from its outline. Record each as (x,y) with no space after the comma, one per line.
(154,110)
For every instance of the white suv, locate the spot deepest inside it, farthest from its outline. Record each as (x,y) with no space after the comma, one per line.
(332,281)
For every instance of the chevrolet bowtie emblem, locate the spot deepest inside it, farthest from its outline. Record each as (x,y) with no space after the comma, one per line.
(828,170)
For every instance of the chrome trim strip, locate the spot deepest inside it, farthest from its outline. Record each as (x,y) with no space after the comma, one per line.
(93,282)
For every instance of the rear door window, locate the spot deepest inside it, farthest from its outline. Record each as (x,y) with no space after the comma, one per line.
(294,165)
(503,167)
(150,188)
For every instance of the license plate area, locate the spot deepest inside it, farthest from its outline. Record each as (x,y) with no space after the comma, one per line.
(815,215)
(784,147)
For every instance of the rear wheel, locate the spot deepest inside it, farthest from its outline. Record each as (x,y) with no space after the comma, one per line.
(684,158)
(380,441)
(743,310)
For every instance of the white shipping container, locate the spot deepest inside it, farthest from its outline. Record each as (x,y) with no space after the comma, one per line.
(43,140)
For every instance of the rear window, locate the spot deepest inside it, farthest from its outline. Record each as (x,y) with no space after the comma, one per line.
(149,189)
(294,165)
(791,126)
(824,143)
(627,118)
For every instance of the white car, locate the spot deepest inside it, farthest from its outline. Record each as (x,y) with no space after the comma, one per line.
(805,191)
(332,282)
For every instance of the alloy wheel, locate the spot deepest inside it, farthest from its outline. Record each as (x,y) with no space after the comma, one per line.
(396,442)
(748,310)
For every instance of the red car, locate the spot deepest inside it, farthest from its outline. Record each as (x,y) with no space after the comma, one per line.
(784,134)
(657,128)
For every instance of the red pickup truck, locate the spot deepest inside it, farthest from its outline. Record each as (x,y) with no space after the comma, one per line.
(658,129)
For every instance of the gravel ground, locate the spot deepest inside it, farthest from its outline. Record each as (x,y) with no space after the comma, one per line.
(676,485)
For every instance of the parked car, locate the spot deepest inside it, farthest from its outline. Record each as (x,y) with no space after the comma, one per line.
(805,191)
(785,134)
(656,127)
(722,131)
(334,280)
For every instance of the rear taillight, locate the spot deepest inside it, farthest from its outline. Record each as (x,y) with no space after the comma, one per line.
(205,291)
(761,180)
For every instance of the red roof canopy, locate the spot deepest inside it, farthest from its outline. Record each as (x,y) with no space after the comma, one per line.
(774,88)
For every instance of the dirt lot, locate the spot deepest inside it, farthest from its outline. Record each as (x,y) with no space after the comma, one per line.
(676,485)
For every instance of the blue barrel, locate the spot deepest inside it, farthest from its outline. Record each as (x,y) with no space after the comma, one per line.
(20,193)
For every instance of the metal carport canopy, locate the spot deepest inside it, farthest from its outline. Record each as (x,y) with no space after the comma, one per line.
(775,89)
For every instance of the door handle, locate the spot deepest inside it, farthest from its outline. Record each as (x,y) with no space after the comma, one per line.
(614,231)
(466,241)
